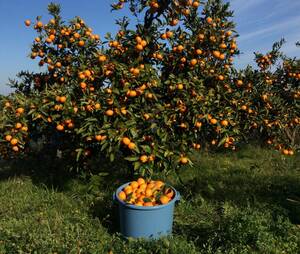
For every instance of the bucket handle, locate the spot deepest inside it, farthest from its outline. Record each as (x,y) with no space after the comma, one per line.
(178,196)
(114,197)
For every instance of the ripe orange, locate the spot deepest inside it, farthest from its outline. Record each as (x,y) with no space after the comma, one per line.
(83,85)
(139,47)
(228,33)
(143,187)
(52,37)
(109,112)
(184,160)
(213,121)
(122,195)
(195,4)
(199,51)
(146,116)
(180,48)
(148,192)
(224,123)
(60,127)
(223,46)
(132,93)
(134,184)
(179,86)
(141,181)
(159,184)
(285,151)
(81,43)
(128,189)
(131,145)
(20,110)
(209,20)
(97,106)
(138,39)
(102,58)
(239,82)
(63,99)
(71,125)
(39,24)
(164,200)
(8,138)
(198,124)
(27,22)
(135,71)
(15,148)
(216,53)
(221,77)
(139,203)
(98,137)
(196,146)
(222,56)
(14,141)
(126,141)
(193,62)
(18,126)
(144,158)
(58,64)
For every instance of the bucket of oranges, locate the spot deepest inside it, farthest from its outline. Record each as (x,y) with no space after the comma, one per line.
(146,208)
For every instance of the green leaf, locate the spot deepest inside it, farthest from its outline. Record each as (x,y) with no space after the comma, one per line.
(137,165)
(133,158)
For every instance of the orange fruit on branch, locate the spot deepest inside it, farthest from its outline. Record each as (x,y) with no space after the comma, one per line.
(144,158)
(131,146)
(109,112)
(27,22)
(126,141)
(183,160)
(14,141)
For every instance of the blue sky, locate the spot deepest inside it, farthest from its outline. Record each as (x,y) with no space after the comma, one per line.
(259,23)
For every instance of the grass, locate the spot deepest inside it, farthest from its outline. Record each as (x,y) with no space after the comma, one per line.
(246,202)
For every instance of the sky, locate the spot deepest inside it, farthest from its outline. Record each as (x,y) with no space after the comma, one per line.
(259,24)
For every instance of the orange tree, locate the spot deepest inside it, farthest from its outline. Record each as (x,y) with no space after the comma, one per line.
(277,97)
(150,94)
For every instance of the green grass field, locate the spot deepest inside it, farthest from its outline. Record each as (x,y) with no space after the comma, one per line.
(246,202)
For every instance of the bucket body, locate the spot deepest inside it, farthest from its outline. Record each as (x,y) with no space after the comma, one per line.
(146,222)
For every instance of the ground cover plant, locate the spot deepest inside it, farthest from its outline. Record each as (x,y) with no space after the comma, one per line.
(232,203)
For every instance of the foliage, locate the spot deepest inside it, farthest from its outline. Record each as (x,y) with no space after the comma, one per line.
(150,95)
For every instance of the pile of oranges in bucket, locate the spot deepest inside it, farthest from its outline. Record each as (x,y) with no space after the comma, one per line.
(146,193)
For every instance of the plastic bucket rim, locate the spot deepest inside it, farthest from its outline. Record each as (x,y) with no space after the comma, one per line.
(115,196)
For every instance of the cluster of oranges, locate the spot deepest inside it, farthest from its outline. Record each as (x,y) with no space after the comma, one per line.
(19,129)
(146,193)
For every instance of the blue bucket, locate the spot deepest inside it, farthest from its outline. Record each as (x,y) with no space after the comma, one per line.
(145,222)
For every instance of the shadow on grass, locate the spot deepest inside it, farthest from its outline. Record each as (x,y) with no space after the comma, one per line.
(94,182)
(42,170)
(247,178)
